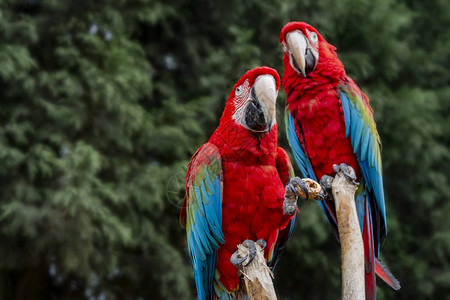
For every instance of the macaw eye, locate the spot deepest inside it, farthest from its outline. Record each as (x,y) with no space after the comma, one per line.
(314,36)
(238,90)
(284,46)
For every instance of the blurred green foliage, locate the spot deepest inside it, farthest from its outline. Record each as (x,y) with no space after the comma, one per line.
(103,103)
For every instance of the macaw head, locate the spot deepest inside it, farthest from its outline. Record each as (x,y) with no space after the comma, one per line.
(252,101)
(306,51)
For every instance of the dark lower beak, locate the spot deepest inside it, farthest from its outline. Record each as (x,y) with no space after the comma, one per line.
(255,117)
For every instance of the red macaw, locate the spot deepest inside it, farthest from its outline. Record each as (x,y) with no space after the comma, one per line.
(329,121)
(235,187)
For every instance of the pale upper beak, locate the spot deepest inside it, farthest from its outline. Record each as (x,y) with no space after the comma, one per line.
(302,57)
(266,93)
(260,114)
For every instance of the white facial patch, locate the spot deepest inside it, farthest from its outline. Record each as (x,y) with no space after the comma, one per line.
(242,94)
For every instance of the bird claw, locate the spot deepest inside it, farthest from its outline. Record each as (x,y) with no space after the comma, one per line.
(252,250)
(262,243)
(326,180)
(298,182)
(290,200)
(348,172)
(325,183)
(236,261)
(292,194)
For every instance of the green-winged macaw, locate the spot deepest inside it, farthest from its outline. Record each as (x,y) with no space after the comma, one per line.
(329,121)
(235,188)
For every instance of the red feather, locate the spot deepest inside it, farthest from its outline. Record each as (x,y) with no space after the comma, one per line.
(369,256)
(384,273)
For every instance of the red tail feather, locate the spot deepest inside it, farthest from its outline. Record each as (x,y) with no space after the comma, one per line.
(372,264)
(369,256)
(385,274)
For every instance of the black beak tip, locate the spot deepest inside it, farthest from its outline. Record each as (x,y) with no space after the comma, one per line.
(254,117)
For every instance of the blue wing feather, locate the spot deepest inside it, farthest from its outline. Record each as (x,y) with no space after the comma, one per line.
(204,217)
(354,125)
(196,246)
(360,200)
(299,155)
(357,139)
(365,143)
(346,110)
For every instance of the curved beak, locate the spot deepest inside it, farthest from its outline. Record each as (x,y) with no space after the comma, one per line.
(302,57)
(261,111)
(297,46)
(266,93)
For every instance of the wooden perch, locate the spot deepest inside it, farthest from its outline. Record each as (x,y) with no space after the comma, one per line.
(352,247)
(257,275)
(314,189)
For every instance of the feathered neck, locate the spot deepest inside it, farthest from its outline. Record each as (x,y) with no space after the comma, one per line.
(239,144)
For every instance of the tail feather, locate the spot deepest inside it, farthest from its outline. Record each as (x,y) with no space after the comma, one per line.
(369,255)
(385,274)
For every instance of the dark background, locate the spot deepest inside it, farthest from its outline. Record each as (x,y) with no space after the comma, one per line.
(102,104)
